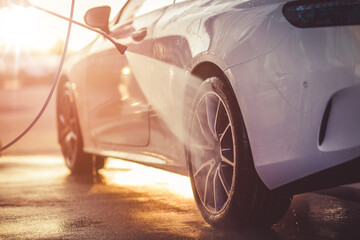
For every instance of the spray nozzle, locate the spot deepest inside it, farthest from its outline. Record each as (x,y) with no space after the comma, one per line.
(121,48)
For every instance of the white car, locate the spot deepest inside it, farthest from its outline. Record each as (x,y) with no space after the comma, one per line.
(256,100)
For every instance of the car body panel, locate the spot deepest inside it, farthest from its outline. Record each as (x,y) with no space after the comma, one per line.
(115,101)
(285,142)
(283,78)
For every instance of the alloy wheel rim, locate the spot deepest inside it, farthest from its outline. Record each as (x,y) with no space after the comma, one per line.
(213,152)
(68,128)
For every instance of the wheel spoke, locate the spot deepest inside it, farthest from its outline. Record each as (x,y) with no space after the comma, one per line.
(205,164)
(62,119)
(209,117)
(216,116)
(225,160)
(200,124)
(223,134)
(214,186)
(223,182)
(70,136)
(207,180)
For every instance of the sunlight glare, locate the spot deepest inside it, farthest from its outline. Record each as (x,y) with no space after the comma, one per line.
(24,28)
(133,174)
(126,70)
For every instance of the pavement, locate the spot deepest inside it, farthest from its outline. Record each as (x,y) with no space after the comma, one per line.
(40,199)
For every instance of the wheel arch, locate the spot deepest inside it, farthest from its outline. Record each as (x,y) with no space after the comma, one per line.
(207,69)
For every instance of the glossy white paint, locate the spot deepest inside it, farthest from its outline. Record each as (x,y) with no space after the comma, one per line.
(289,90)
(283,78)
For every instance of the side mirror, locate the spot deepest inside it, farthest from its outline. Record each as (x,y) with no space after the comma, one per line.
(98,18)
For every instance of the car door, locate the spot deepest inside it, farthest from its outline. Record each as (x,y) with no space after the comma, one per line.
(117,110)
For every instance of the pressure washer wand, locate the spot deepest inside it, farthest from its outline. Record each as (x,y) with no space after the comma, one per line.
(25,3)
(121,48)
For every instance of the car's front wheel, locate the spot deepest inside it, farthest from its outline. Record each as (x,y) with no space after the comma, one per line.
(226,187)
(70,137)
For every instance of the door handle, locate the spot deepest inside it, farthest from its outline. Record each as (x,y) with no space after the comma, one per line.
(139,35)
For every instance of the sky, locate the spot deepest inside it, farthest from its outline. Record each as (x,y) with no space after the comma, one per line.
(29,29)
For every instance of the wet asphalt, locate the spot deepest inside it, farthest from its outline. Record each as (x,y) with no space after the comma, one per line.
(40,199)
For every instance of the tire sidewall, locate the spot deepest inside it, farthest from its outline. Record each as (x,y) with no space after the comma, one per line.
(221,88)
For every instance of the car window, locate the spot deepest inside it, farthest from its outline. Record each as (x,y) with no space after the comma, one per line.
(149,6)
(136,8)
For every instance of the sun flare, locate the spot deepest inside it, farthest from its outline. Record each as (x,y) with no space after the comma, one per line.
(24,28)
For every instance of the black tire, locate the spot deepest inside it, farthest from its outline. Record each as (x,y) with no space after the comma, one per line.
(220,154)
(70,137)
